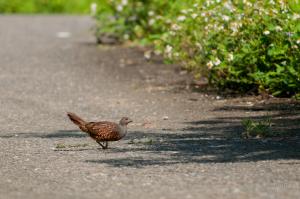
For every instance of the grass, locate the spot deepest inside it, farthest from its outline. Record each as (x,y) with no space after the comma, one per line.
(45,6)
(260,129)
(256,129)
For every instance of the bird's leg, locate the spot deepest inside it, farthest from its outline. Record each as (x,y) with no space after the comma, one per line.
(106,145)
(103,147)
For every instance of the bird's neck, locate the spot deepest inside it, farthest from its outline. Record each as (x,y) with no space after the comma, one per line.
(123,131)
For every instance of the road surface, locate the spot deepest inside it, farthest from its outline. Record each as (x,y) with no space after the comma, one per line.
(182,144)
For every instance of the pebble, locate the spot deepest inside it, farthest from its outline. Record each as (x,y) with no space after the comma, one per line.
(165,118)
(63,35)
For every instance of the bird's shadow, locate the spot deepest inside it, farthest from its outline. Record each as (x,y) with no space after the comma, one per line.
(197,148)
(201,141)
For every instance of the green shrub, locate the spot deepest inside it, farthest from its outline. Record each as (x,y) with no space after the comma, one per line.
(45,6)
(135,20)
(240,45)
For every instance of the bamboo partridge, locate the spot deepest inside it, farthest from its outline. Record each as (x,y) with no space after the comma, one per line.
(102,131)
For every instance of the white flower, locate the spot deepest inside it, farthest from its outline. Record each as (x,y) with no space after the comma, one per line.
(194,15)
(119,8)
(283,63)
(275,11)
(249,4)
(278,28)
(124,2)
(175,27)
(172,33)
(225,18)
(296,16)
(298,41)
(158,17)
(181,18)
(93,8)
(210,65)
(266,32)
(168,21)
(230,57)
(151,13)
(217,62)
(126,36)
(168,49)
(184,11)
(235,26)
(229,6)
(208,3)
(151,22)
(220,27)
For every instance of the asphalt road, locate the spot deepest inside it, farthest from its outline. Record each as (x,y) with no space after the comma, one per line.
(182,144)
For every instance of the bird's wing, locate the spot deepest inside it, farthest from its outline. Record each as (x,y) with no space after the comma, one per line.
(103,130)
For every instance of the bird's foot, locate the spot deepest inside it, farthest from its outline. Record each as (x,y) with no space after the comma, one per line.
(104,146)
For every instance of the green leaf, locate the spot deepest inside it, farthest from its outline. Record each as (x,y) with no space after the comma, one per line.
(294,5)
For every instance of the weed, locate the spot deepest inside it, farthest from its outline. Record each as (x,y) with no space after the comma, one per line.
(257,129)
(60,146)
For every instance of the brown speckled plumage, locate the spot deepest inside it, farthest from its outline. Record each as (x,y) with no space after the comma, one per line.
(102,131)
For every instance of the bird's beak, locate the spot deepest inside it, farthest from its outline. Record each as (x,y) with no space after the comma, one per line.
(130,121)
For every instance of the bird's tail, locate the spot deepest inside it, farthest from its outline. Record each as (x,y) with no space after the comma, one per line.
(76,119)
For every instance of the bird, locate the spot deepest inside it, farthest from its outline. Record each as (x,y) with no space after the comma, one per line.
(103,131)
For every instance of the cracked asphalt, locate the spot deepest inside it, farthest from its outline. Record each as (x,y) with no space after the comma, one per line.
(184,143)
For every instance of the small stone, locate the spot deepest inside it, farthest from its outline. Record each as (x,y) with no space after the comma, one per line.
(63,35)
(165,118)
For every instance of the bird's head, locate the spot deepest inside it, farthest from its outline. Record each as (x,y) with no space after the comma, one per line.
(124,121)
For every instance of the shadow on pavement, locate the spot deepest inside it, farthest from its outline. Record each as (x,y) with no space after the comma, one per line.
(200,148)
(58,134)
(218,141)
(203,141)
